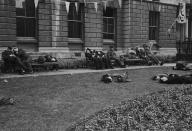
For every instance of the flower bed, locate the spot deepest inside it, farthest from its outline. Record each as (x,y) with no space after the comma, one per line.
(161,111)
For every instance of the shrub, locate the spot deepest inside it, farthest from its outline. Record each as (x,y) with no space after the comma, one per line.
(164,110)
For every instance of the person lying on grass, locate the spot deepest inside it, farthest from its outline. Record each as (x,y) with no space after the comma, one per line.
(107,78)
(174,78)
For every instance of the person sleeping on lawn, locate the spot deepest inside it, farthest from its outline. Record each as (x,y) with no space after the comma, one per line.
(174,78)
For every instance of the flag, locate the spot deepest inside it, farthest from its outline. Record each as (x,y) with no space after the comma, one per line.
(182,13)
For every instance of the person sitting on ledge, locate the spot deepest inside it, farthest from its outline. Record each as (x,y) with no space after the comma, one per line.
(111,55)
(12,63)
(24,60)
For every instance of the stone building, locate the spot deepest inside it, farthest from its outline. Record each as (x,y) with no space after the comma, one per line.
(64,27)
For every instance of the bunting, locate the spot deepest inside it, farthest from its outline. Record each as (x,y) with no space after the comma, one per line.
(67,4)
(36,3)
(105,4)
(120,3)
(77,6)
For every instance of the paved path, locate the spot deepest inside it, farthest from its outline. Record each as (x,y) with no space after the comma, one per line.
(74,71)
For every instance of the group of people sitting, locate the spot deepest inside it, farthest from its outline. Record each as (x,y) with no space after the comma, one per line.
(146,54)
(101,60)
(16,60)
(110,59)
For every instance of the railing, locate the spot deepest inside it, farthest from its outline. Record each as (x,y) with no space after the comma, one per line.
(184,49)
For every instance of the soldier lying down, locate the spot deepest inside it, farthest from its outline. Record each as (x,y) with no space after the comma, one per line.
(174,78)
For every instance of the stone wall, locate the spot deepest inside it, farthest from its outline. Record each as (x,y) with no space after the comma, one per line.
(7,23)
(52,24)
(93,27)
(52,36)
(136,23)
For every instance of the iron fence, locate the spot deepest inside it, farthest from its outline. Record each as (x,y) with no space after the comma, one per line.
(184,49)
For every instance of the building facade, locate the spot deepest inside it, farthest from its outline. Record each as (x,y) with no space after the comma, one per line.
(62,27)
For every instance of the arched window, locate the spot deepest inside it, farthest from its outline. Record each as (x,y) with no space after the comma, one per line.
(25,18)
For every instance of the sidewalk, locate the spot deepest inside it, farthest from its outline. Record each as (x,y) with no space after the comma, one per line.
(75,71)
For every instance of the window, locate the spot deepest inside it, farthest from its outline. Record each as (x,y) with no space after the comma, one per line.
(154,18)
(75,21)
(109,20)
(25,18)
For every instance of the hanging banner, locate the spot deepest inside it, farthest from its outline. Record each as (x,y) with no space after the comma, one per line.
(96,6)
(36,3)
(105,4)
(77,6)
(182,13)
(67,4)
(120,3)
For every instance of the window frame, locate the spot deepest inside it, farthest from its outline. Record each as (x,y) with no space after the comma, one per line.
(26,37)
(108,18)
(154,17)
(76,37)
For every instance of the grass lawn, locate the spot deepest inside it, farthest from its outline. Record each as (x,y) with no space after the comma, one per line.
(55,102)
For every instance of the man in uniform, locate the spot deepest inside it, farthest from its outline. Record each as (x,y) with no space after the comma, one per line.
(24,60)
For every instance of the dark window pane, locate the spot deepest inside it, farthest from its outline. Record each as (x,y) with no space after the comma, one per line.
(70,26)
(30,27)
(20,26)
(110,36)
(104,25)
(154,18)
(109,12)
(30,8)
(26,26)
(79,27)
(75,20)
(111,29)
(109,23)
(105,36)
(72,12)
(20,7)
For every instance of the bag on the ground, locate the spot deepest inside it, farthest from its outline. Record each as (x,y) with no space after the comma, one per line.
(106,78)
(49,58)
(6,101)
(180,65)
